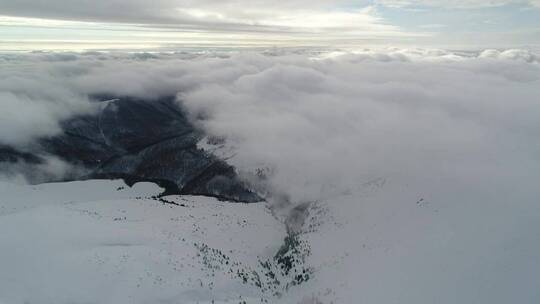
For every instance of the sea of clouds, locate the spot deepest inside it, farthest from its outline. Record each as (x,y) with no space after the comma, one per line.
(316,123)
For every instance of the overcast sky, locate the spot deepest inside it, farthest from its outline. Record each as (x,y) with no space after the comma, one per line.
(132,24)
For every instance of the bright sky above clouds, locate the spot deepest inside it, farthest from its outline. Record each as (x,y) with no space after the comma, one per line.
(134,24)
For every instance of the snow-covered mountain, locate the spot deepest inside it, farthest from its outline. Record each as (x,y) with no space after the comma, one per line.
(136,140)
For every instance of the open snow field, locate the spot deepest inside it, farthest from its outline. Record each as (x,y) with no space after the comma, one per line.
(103,242)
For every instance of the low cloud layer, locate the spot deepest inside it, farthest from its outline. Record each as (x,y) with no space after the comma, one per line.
(34,99)
(316,124)
(322,128)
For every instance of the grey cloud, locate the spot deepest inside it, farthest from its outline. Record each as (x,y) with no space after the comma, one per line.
(155,12)
(245,12)
(311,19)
(297,22)
(459,4)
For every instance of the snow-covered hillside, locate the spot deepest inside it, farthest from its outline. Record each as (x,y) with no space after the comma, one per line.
(103,242)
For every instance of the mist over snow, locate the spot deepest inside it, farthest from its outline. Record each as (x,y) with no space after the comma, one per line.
(425,162)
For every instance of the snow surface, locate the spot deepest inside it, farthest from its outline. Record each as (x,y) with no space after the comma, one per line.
(103,242)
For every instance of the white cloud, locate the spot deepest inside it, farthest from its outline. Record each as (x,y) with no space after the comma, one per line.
(423,103)
(336,121)
(33,102)
(326,126)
